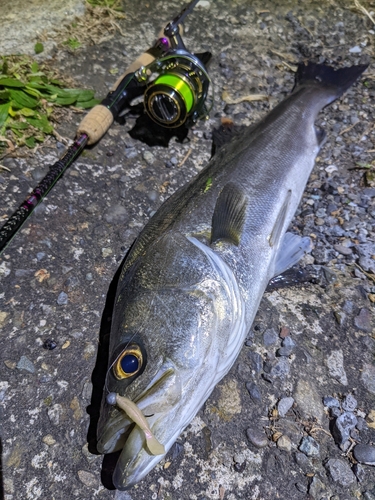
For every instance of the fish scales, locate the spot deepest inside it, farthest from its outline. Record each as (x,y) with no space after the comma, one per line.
(192,282)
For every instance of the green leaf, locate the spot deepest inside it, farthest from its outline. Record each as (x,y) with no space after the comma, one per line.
(88,104)
(62,92)
(4,95)
(26,112)
(66,101)
(4,113)
(34,67)
(17,133)
(35,85)
(73,43)
(33,92)
(11,82)
(86,95)
(22,99)
(40,123)
(30,142)
(38,48)
(18,125)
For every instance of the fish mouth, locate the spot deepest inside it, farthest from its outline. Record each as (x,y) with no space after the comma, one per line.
(158,403)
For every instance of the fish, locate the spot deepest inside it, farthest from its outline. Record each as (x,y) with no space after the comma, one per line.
(192,282)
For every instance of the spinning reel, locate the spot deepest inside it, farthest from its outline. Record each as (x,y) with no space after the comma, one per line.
(174,84)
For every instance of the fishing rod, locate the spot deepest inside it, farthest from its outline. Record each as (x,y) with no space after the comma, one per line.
(175,85)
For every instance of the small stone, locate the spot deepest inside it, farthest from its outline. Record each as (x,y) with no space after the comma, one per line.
(10,364)
(368,377)
(256,361)
(256,437)
(148,157)
(116,214)
(366,252)
(284,405)
(284,443)
(309,446)
(360,472)
(317,489)
(342,427)
(355,50)
(340,471)
(309,400)
(89,350)
(284,332)
(25,364)
(54,413)
(343,250)
(48,439)
(87,478)
(205,4)
(87,390)
(281,369)
(331,402)
(335,412)
(89,277)
(285,351)
(363,320)
(288,342)
(106,252)
(62,299)
(270,337)
(349,403)
(49,344)
(364,454)
(3,317)
(361,423)
(254,392)
(335,364)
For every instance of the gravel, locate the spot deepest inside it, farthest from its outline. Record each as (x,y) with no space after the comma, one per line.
(312,343)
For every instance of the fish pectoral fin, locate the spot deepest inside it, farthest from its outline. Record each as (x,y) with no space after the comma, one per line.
(274,237)
(229,215)
(292,249)
(320,136)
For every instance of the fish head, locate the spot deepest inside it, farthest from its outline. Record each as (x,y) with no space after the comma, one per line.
(174,343)
(165,394)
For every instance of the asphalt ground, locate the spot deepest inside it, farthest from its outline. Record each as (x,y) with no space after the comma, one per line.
(56,274)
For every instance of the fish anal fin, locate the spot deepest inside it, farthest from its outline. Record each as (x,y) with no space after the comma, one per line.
(280,220)
(292,248)
(229,215)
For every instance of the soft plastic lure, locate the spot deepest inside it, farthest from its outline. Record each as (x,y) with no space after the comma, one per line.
(135,414)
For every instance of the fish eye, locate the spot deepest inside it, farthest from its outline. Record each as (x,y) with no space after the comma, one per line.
(128,363)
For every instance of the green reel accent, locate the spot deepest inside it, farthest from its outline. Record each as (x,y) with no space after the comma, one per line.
(178,85)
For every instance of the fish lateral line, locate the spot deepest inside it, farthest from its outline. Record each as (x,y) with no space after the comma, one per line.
(135,414)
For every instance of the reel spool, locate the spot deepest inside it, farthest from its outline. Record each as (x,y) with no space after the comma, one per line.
(179,93)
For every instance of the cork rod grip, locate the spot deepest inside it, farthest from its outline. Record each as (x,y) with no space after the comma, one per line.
(98,120)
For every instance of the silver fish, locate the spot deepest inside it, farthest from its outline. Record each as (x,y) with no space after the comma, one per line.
(192,282)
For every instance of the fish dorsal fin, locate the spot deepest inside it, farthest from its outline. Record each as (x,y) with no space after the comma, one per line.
(292,249)
(274,237)
(229,215)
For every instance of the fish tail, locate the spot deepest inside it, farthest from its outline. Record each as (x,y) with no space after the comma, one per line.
(337,81)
